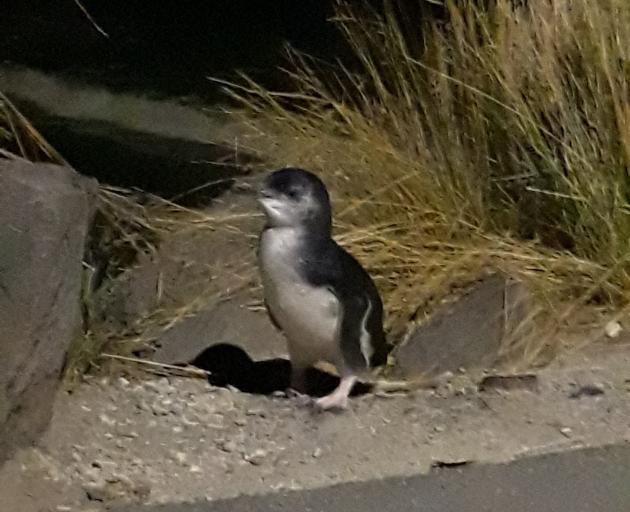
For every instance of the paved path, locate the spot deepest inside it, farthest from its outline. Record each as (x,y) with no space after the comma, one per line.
(595,480)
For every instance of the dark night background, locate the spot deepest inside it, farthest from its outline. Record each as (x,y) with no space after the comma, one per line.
(170,46)
(162,49)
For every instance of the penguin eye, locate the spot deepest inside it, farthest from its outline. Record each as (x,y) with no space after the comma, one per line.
(293,193)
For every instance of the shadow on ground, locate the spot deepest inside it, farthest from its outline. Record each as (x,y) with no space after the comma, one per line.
(230,365)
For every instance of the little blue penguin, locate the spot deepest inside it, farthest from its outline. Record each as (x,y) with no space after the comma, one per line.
(316,293)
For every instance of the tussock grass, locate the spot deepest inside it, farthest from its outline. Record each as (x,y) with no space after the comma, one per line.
(494,137)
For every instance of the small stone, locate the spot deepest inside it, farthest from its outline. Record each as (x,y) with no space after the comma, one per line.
(98,491)
(439,428)
(240,422)
(257,457)
(176,408)
(256,412)
(317,453)
(179,457)
(613,329)
(177,429)
(189,422)
(123,382)
(566,431)
(153,386)
(107,420)
(195,469)
(158,410)
(143,406)
(76,457)
(226,446)
(212,420)
(91,474)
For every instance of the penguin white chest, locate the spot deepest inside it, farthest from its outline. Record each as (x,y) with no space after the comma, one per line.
(308,315)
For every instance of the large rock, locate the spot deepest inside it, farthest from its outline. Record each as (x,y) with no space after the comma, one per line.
(45,213)
(468,333)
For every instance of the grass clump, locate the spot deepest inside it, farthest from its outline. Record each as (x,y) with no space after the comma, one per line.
(495,136)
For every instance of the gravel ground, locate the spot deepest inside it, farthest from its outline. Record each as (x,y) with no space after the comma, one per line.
(121,439)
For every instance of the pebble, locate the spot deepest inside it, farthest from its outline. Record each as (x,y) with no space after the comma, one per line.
(189,422)
(257,457)
(317,453)
(143,406)
(107,420)
(566,431)
(123,382)
(98,491)
(154,386)
(212,420)
(240,422)
(176,408)
(195,469)
(179,457)
(158,410)
(91,474)
(227,446)
(613,329)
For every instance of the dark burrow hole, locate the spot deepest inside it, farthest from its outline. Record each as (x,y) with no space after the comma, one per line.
(230,365)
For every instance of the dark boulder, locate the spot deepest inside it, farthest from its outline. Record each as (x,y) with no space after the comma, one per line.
(45,212)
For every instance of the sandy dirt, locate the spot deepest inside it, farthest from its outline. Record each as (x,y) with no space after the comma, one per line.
(124,439)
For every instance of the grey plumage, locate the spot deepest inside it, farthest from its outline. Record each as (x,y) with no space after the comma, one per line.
(317,293)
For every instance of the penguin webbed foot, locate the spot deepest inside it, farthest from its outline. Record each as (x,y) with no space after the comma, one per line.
(338,399)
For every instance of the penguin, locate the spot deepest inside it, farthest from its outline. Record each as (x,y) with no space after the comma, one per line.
(315,292)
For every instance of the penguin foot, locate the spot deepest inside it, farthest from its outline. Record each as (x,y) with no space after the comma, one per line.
(332,401)
(338,399)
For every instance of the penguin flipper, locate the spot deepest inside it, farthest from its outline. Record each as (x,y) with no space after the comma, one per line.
(361,335)
(273,319)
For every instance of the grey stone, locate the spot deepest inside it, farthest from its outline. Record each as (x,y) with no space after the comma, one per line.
(228,322)
(468,333)
(45,212)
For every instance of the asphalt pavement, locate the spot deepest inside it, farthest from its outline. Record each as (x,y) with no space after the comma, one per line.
(593,480)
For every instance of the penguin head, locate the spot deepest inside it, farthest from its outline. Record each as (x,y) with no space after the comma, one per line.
(293,197)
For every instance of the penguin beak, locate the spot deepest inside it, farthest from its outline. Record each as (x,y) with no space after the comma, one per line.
(268,201)
(264,194)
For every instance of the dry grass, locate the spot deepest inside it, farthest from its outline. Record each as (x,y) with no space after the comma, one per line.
(497,138)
